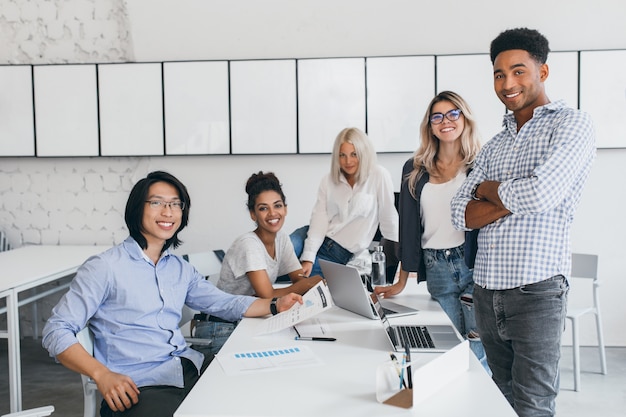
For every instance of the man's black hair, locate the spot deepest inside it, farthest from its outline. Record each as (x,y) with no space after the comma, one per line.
(526,39)
(136,205)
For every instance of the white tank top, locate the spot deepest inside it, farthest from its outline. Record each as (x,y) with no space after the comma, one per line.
(438,232)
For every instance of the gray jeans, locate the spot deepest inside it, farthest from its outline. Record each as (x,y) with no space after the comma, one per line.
(521,331)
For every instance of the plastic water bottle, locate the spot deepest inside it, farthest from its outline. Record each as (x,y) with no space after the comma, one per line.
(379,272)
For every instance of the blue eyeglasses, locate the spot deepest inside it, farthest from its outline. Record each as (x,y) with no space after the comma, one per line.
(452,115)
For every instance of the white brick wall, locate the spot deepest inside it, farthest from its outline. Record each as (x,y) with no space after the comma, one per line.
(62,31)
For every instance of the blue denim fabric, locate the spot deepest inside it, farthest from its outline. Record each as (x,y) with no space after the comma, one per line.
(521,330)
(330,250)
(448,279)
(216,331)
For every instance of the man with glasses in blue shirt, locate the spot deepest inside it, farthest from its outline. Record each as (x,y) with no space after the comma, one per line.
(522,194)
(132,297)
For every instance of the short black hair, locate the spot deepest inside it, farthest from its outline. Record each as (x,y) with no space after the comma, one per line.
(260,182)
(526,39)
(136,205)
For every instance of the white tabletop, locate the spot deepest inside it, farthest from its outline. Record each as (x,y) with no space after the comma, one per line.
(24,268)
(30,266)
(345,383)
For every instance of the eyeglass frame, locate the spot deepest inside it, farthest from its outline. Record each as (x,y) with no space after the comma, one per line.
(445,115)
(172,205)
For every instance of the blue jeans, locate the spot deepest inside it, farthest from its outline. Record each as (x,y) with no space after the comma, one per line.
(218,332)
(521,330)
(449,281)
(330,250)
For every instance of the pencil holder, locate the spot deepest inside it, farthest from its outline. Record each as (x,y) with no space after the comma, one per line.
(391,384)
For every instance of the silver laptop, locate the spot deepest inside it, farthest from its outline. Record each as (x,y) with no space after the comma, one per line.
(349,293)
(419,338)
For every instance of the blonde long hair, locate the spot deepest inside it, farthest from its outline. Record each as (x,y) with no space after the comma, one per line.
(364,151)
(424,159)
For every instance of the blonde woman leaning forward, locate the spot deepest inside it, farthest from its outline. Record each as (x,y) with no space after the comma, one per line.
(352,201)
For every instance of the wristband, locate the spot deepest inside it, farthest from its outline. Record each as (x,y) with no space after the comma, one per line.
(273,308)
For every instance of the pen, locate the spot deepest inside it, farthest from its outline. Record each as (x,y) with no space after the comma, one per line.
(409,377)
(402,383)
(322,339)
(395,361)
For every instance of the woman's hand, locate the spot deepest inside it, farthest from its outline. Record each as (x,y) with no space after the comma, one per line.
(307,267)
(387,291)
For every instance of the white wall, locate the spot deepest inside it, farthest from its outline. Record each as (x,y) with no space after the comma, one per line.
(80,200)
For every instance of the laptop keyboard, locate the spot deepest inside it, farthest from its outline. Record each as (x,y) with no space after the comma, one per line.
(388,311)
(415,336)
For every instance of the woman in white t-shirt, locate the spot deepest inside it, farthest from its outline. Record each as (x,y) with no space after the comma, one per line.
(255,259)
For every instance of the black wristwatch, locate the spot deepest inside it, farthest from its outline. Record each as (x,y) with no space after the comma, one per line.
(473,192)
(273,307)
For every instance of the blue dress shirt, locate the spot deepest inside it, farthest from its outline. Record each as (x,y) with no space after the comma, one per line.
(133,308)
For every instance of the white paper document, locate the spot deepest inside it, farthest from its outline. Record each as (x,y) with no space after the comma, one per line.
(316,300)
(238,363)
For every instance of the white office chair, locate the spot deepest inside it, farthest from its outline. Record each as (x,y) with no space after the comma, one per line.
(586,267)
(33,412)
(208,263)
(90,390)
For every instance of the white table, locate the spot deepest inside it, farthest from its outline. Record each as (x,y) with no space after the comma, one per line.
(25,268)
(345,385)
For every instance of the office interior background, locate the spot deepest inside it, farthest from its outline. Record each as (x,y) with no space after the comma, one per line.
(80,200)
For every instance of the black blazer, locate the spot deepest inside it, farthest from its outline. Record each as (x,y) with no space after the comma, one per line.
(410,250)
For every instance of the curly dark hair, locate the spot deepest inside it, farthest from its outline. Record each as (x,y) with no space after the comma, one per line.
(526,39)
(257,183)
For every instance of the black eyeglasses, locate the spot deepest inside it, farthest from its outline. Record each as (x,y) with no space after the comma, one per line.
(173,205)
(452,115)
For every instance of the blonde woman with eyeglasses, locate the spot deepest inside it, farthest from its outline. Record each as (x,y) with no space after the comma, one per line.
(429,244)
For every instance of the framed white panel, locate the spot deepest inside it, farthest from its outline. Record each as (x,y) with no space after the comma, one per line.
(562,82)
(471,76)
(331,97)
(263,106)
(398,92)
(66,110)
(131,109)
(17,137)
(196,108)
(603,95)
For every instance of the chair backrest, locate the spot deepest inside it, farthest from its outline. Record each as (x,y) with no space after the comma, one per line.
(584,281)
(208,263)
(584,266)
(90,390)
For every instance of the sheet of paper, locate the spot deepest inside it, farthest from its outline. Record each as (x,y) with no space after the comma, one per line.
(314,327)
(238,363)
(316,300)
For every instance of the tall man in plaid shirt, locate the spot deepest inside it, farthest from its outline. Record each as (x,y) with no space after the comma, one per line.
(522,194)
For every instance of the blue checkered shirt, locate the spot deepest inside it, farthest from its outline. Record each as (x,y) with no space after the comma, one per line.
(542,170)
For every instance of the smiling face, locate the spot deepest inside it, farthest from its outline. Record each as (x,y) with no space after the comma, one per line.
(269,212)
(518,82)
(348,160)
(447,130)
(159,224)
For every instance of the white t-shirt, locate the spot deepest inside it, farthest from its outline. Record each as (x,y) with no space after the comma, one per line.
(437,229)
(247,253)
